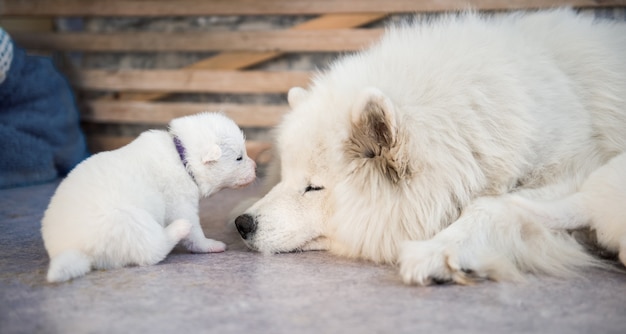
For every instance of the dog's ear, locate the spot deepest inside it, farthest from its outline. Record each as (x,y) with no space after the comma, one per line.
(375,118)
(213,153)
(295,96)
(374,135)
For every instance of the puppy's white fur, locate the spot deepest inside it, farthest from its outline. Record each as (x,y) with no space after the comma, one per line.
(131,206)
(407,152)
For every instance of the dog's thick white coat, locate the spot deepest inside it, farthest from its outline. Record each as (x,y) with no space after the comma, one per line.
(600,204)
(407,152)
(131,206)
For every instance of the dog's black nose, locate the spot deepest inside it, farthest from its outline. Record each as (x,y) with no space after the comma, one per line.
(246,225)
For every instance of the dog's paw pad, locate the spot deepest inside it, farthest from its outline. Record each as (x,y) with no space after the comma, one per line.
(430,262)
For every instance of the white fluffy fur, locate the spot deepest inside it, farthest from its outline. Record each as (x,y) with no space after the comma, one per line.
(131,206)
(415,144)
(600,204)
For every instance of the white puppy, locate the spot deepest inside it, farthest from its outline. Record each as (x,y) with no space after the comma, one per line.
(600,204)
(131,206)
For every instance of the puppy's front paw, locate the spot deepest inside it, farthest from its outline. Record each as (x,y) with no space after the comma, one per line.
(206,246)
(431,262)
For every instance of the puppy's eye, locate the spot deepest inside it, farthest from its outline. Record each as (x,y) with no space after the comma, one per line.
(312,188)
(240,158)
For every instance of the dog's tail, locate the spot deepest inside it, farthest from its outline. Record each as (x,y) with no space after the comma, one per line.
(67,265)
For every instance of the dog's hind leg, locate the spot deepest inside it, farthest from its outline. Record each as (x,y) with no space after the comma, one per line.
(570,212)
(598,204)
(156,247)
(137,238)
(67,265)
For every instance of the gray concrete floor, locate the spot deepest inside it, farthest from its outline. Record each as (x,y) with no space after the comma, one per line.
(244,292)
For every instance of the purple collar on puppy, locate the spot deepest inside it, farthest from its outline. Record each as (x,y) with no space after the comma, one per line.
(183,157)
(181,150)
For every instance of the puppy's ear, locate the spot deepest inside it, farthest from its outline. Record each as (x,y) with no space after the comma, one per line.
(374,135)
(212,154)
(295,96)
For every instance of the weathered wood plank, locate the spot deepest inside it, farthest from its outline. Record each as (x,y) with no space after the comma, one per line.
(268,7)
(241,60)
(199,81)
(137,112)
(31,24)
(334,40)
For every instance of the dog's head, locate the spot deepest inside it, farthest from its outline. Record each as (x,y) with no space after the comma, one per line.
(342,164)
(215,152)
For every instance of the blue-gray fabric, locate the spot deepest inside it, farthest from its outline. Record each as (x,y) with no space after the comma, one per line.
(40,135)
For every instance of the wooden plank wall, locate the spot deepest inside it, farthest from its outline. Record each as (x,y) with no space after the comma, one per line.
(136,96)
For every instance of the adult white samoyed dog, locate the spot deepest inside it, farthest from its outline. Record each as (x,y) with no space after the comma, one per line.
(409,152)
(131,206)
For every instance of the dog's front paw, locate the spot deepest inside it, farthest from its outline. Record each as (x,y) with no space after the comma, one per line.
(431,262)
(206,246)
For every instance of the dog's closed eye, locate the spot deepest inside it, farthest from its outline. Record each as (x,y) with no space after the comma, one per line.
(312,188)
(240,158)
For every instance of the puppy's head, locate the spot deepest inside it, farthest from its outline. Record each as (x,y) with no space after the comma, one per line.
(215,151)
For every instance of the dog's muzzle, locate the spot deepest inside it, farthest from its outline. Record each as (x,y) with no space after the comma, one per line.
(246,225)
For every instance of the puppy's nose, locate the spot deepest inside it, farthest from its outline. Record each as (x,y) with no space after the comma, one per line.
(246,225)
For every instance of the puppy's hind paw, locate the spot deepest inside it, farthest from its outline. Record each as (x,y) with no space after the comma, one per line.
(67,265)
(431,262)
